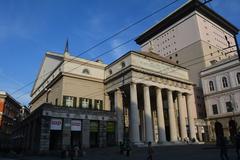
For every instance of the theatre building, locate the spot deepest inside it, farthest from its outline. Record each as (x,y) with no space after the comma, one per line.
(141,96)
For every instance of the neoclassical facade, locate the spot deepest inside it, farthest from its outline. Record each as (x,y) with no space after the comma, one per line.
(221,86)
(153,98)
(141,96)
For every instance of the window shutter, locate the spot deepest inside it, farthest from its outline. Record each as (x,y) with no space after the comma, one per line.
(90,103)
(74,101)
(95,104)
(80,102)
(101,105)
(64,100)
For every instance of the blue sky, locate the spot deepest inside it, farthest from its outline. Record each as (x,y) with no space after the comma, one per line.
(29,28)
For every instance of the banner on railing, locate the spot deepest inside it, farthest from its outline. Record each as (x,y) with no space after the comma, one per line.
(56,124)
(75,125)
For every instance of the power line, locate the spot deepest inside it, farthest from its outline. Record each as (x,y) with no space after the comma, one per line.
(118,47)
(105,40)
(161,71)
(94,93)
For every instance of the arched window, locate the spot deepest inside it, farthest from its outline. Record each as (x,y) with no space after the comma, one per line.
(85,71)
(123,64)
(224,82)
(211,86)
(238,77)
(110,71)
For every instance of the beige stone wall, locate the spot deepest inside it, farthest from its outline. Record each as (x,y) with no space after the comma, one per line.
(79,87)
(191,57)
(225,123)
(55,93)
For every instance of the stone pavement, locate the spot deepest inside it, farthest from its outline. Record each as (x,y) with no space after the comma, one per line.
(186,152)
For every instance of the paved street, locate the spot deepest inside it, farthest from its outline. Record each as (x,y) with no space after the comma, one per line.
(190,152)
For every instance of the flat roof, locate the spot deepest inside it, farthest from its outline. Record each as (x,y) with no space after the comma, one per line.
(180,13)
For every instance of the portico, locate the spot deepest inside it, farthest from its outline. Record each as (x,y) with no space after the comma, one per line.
(152,105)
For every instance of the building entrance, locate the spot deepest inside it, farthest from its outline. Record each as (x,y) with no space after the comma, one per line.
(232,129)
(94,133)
(55,140)
(218,131)
(76,137)
(111,134)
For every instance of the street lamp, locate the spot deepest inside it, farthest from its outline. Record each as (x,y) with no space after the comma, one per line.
(48,90)
(233,108)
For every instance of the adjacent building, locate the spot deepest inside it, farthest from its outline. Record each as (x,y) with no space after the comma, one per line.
(10,116)
(195,37)
(221,86)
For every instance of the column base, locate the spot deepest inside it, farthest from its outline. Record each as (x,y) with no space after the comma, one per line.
(138,144)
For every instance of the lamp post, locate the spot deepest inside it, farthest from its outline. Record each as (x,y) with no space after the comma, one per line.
(233,107)
(48,90)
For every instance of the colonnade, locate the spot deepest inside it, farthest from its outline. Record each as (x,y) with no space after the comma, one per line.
(184,100)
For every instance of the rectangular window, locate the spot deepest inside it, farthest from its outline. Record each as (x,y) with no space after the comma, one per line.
(215,109)
(85,103)
(229,106)
(98,104)
(56,101)
(69,101)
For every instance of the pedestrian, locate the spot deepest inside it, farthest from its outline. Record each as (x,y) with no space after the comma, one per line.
(238,144)
(149,151)
(72,152)
(121,145)
(222,142)
(76,151)
(186,140)
(128,148)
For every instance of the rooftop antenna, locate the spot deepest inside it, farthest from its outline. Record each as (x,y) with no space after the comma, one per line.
(66,49)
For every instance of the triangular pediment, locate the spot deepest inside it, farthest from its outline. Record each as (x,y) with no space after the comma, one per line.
(50,62)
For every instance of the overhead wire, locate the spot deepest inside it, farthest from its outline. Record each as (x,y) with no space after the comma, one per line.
(103,41)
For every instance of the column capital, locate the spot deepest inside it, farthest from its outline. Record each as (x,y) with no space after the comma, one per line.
(133,83)
(169,90)
(179,93)
(145,85)
(106,93)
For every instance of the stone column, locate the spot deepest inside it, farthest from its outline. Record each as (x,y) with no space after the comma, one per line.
(134,114)
(172,118)
(191,123)
(142,121)
(181,106)
(199,129)
(102,133)
(148,114)
(66,133)
(44,134)
(33,136)
(118,105)
(107,106)
(85,133)
(160,116)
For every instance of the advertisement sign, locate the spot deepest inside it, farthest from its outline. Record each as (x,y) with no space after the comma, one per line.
(110,127)
(93,126)
(56,124)
(75,125)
